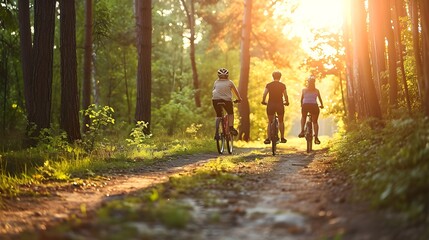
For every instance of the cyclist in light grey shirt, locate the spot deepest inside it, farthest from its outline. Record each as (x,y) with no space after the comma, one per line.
(222,92)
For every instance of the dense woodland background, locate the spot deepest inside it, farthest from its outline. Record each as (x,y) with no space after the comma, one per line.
(94,74)
(157,63)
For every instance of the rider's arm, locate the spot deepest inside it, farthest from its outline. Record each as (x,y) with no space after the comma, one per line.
(320,99)
(302,96)
(234,89)
(264,96)
(286,97)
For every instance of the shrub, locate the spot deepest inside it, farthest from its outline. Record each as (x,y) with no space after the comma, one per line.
(390,164)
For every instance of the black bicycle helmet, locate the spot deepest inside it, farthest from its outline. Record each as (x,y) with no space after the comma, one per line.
(277,74)
(222,72)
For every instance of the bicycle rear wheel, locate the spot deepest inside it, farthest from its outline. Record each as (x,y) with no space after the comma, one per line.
(274,136)
(309,137)
(220,141)
(230,143)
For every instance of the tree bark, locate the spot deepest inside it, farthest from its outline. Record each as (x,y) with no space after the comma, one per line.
(43,51)
(372,106)
(424,10)
(393,76)
(127,93)
(377,33)
(244,109)
(396,12)
(87,63)
(414,15)
(26,54)
(69,86)
(190,14)
(351,105)
(144,74)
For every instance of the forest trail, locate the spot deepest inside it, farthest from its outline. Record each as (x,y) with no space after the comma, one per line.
(301,198)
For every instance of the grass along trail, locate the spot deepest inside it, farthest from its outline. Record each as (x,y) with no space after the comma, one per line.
(250,195)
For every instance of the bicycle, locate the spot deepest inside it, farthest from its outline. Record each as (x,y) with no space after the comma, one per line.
(274,132)
(224,135)
(308,132)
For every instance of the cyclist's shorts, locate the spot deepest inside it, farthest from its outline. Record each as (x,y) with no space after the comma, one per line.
(218,108)
(310,108)
(273,108)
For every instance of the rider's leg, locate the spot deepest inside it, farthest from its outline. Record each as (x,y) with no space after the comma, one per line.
(315,117)
(270,119)
(230,120)
(218,119)
(303,118)
(218,110)
(281,126)
(230,111)
(316,129)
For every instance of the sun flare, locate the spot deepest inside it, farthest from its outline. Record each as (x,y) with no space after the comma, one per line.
(326,15)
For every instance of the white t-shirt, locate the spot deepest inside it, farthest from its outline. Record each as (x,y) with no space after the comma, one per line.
(222,89)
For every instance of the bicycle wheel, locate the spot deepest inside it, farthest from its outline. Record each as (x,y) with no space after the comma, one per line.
(309,137)
(220,142)
(229,143)
(274,136)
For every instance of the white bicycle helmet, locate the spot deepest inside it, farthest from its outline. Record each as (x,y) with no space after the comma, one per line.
(222,72)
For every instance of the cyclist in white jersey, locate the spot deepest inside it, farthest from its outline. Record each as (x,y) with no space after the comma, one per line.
(222,93)
(309,97)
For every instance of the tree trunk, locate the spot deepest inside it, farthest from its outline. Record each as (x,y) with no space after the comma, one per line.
(396,12)
(414,15)
(69,90)
(356,67)
(26,55)
(144,74)
(43,52)
(393,76)
(87,63)
(351,105)
(377,33)
(244,110)
(372,105)
(424,10)
(190,14)
(127,93)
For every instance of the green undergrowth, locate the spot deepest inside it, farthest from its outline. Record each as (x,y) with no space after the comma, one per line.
(61,162)
(147,214)
(390,164)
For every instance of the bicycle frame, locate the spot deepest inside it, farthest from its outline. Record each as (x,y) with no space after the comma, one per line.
(274,129)
(225,135)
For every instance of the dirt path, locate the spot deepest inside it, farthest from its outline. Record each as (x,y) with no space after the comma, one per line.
(36,213)
(302,198)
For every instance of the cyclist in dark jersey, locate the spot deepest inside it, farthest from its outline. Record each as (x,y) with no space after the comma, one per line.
(276,91)
(309,105)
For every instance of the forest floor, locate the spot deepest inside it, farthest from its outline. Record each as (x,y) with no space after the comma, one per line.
(301,196)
